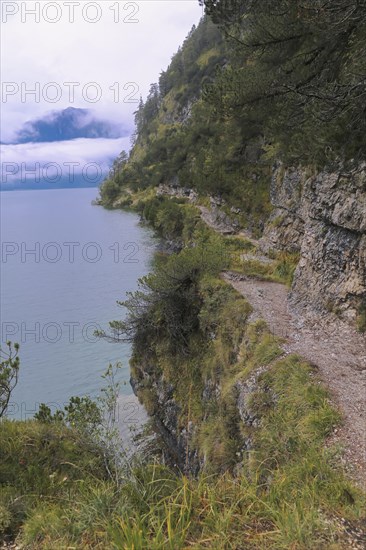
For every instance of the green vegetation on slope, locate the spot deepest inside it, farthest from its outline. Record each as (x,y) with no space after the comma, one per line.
(180,139)
(297,75)
(273,81)
(288,492)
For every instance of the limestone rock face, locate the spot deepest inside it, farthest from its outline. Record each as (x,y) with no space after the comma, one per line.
(165,413)
(285,228)
(323,217)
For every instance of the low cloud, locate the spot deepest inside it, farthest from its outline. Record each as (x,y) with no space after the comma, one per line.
(63,163)
(122,58)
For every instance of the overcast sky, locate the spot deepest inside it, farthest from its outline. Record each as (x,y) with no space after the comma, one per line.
(124,49)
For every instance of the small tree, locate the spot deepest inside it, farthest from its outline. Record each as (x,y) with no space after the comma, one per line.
(118,164)
(96,421)
(9,372)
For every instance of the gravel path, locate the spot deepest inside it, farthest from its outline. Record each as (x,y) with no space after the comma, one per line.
(334,347)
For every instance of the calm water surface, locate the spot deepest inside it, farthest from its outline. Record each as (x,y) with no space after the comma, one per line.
(84,259)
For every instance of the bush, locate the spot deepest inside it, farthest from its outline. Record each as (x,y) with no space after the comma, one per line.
(361,318)
(109,192)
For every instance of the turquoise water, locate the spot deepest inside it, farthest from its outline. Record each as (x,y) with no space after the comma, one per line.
(84,259)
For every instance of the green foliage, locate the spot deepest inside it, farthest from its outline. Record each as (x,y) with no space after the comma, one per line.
(56,489)
(188,65)
(285,266)
(361,318)
(109,192)
(281,269)
(301,415)
(9,372)
(278,80)
(172,218)
(287,491)
(296,75)
(37,460)
(81,412)
(44,414)
(260,346)
(180,139)
(166,306)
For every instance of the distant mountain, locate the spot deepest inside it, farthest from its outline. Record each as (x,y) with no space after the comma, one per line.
(70,123)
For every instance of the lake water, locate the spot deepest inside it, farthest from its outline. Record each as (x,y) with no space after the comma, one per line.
(64,264)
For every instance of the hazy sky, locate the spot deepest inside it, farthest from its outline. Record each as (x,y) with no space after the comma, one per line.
(111,54)
(96,55)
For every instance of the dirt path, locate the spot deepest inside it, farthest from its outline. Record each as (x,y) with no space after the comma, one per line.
(334,347)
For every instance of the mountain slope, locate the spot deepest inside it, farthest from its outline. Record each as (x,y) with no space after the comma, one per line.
(267,150)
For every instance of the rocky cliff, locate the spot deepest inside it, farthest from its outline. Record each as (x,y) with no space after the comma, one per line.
(323,217)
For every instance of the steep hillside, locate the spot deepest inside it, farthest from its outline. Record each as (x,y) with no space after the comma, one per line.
(272,132)
(249,160)
(262,133)
(182,140)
